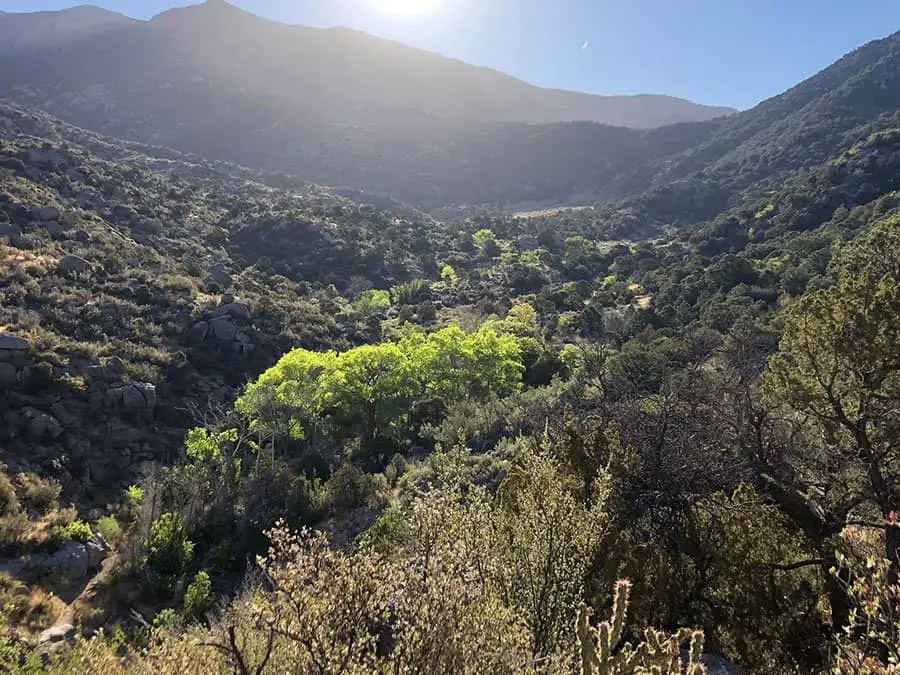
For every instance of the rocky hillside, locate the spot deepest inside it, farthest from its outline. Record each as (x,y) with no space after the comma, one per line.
(141,288)
(134,296)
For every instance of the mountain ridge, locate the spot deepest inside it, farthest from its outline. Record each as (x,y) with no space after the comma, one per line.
(224,97)
(378,58)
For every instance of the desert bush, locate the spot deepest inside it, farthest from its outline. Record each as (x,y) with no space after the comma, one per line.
(169,551)
(198,600)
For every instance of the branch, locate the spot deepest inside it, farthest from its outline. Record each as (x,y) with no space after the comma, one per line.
(796,565)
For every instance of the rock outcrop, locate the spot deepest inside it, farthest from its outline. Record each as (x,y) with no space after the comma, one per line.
(70,564)
(75,265)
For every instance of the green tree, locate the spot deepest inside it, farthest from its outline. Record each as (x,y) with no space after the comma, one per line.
(839,365)
(487,243)
(368,388)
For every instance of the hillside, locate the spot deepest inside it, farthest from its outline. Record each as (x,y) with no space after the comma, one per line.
(142,287)
(40,30)
(250,423)
(344,122)
(334,106)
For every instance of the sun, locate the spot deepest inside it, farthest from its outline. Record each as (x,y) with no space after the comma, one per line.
(408,7)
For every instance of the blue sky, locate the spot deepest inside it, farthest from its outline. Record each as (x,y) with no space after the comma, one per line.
(723,52)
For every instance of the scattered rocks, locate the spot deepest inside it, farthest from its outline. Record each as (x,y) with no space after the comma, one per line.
(198,333)
(236,310)
(111,371)
(55,229)
(222,328)
(73,264)
(46,157)
(140,396)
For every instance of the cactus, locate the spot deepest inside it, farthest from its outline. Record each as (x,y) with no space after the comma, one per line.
(602,653)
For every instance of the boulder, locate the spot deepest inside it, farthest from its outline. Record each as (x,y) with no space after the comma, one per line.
(9,376)
(223,328)
(10,230)
(13,343)
(71,562)
(46,157)
(198,333)
(148,391)
(40,426)
(236,310)
(58,633)
(218,276)
(97,550)
(132,398)
(55,229)
(73,264)
(22,242)
(47,213)
(138,396)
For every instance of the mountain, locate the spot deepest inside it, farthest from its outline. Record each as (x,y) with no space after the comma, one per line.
(338,107)
(50,29)
(334,106)
(342,75)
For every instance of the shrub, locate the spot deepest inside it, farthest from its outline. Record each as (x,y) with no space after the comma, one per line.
(198,600)
(13,527)
(166,619)
(411,292)
(78,530)
(37,493)
(9,501)
(32,609)
(110,530)
(349,488)
(170,551)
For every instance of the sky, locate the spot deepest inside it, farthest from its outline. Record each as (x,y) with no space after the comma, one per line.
(719,52)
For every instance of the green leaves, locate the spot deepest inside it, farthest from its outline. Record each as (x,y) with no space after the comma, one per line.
(368,391)
(169,551)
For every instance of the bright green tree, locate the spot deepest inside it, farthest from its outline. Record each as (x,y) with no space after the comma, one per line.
(368,388)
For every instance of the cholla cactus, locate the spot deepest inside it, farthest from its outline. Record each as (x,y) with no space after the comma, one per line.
(602,654)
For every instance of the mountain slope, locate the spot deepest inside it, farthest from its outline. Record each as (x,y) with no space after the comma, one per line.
(344,75)
(50,29)
(341,108)
(334,106)
(805,125)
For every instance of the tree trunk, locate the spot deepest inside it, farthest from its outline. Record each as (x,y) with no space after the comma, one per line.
(836,588)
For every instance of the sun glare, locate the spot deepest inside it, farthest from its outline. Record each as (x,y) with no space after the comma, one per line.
(408,6)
